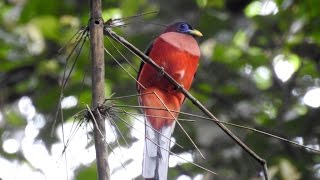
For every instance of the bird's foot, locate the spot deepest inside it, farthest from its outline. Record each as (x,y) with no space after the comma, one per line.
(161,71)
(179,87)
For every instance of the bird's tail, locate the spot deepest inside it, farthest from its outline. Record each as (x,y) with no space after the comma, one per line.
(156,153)
(158,130)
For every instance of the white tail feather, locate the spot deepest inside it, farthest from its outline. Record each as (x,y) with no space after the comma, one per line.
(156,152)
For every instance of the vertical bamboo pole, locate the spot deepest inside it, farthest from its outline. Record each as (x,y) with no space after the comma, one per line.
(98,90)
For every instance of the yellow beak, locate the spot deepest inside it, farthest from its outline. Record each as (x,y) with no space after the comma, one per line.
(195,32)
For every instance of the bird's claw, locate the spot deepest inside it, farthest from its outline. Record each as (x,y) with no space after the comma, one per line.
(161,71)
(179,87)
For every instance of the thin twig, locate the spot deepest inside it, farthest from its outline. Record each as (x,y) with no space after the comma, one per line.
(226,123)
(102,135)
(185,132)
(168,138)
(201,167)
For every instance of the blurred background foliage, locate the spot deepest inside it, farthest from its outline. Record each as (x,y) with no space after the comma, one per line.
(259,68)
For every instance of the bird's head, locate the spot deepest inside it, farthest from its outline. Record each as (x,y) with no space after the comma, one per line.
(182,27)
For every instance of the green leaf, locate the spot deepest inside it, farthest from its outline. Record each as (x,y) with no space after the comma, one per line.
(253,9)
(48,25)
(87,173)
(14,118)
(288,171)
(262,77)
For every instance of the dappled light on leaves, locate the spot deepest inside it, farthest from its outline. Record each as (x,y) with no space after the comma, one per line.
(174,160)
(11,146)
(284,68)
(26,108)
(261,7)
(184,177)
(316,168)
(312,98)
(112,13)
(19,170)
(1,119)
(69,102)
(262,77)
(299,140)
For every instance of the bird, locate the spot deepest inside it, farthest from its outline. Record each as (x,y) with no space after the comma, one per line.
(177,52)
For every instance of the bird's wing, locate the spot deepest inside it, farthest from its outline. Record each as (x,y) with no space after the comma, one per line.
(147,52)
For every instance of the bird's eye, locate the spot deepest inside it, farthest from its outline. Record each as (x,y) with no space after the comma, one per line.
(183,27)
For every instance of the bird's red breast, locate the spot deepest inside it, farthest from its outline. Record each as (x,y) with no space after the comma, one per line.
(178,54)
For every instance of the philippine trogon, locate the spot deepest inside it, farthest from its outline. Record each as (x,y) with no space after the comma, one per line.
(178,53)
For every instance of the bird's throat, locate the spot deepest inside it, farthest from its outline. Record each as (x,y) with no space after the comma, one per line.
(183,42)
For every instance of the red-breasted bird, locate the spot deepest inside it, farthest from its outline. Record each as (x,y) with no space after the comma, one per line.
(178,53)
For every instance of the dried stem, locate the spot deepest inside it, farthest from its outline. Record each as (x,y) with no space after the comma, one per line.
(98,90)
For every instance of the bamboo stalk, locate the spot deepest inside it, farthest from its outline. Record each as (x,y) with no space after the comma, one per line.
(98,90)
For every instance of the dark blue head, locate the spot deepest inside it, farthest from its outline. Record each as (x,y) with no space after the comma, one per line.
(183,27)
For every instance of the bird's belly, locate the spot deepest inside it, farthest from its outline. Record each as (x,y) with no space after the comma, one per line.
(179,63)
(179,74)
(180,66)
